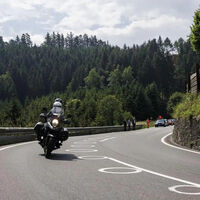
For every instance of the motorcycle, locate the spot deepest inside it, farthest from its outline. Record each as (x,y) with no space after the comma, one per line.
(50,132)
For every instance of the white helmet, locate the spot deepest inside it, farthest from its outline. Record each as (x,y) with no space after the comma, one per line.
(58,99)
(57,104)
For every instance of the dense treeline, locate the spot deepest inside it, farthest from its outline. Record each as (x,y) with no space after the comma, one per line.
(99,83)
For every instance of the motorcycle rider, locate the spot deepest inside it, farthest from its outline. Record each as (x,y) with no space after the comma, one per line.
(41,127)
(57,108)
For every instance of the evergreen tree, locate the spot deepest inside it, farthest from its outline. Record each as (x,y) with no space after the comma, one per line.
(72,108)
(127,75)
(195,32)
(174,100)
(154,97)
(115,79)
(93,80)
(7,89)
(109,111)
(91,69)
(13,112)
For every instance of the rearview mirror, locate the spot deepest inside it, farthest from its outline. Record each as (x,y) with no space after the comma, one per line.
(42,115)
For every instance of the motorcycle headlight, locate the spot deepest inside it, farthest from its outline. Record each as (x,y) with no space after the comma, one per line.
(55,123)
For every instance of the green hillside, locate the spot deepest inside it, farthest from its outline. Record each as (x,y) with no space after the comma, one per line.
(92,76)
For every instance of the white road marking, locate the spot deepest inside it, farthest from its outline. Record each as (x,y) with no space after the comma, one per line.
(16,145)
(82,145)
(109,170)
(98,138)
(173,189)
(163,141)
(107,139)
(92,157)
(82,150)
(88,142)
(156,173)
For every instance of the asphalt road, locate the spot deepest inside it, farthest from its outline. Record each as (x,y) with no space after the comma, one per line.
(133,165)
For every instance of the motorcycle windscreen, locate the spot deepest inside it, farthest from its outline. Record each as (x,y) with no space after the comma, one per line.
(57,110)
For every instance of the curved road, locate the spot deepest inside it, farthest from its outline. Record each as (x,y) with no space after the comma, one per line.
(132,165)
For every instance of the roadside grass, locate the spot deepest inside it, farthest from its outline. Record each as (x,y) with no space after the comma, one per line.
(189,107)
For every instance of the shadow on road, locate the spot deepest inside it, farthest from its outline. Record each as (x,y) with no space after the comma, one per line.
(62,157)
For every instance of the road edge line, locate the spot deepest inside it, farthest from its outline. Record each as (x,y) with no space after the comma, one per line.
(16,145)
(107,139)
(155,173)
(180,148)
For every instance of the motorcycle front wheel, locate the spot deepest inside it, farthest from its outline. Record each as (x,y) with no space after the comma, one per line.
(48,147)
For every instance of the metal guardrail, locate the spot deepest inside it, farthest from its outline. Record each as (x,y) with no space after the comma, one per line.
(10,135)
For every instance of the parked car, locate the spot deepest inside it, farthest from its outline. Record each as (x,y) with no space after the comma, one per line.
(166,122)
(171,122)
(160,122)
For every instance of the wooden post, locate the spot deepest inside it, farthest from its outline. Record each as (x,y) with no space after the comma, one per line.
(198,78)
(189,82)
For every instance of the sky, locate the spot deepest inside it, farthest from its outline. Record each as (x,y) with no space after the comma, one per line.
(117,21)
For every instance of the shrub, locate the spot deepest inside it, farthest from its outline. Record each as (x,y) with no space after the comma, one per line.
(190,106)
(174,100)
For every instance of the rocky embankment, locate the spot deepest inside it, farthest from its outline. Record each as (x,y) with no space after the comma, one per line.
(187,133)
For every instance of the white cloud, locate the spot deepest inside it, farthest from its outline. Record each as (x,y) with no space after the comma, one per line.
(83,15)
(119,21)
(37,39)
(4,19)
